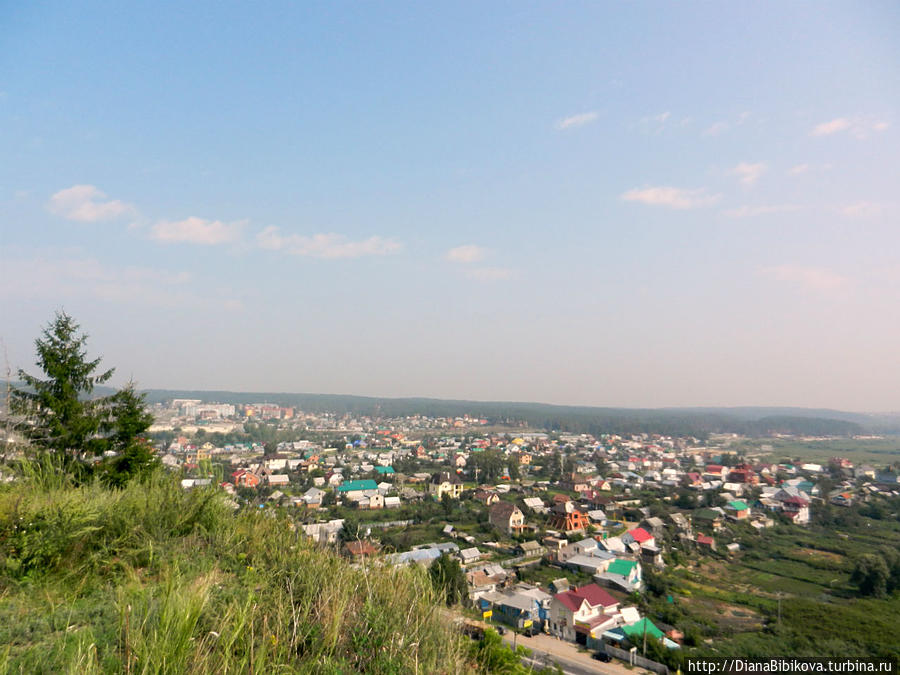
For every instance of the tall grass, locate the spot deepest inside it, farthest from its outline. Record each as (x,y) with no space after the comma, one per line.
(155,579)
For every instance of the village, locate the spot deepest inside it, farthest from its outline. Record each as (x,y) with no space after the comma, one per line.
(557,534)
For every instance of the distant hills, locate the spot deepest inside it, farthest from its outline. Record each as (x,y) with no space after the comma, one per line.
(750,421)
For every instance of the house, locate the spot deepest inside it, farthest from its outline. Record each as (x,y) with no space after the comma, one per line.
(842,499)
(535,504)
(279,479)
(359,550)
(797,509)
(704,541)
(485,497)
(593,564)
(737,509)
(708,517)
(567,518)
(584,547)
(628,570)
(582,612)
(312,498)
(654,526)
(682,524)
(507,517)
(445,482)
(244,478)
(469,555)
(612,544)
(639,536)
(392,502)
(530,549)
(518,605)
(353,489)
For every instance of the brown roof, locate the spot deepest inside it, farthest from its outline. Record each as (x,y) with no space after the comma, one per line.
(361,548)
(502,510)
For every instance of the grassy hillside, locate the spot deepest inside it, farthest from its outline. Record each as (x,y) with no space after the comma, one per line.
(153,579)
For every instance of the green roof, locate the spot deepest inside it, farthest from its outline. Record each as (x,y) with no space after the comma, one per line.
(354,485)
(384,469)
(623,567)
(738,505)
(636,630)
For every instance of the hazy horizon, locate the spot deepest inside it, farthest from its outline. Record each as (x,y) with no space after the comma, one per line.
(631,205)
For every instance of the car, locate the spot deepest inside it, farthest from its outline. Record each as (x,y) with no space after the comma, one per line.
(501,630)
(531,631)
(601,656)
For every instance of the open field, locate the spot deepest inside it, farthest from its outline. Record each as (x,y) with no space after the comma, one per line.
(787,591)
(877,451)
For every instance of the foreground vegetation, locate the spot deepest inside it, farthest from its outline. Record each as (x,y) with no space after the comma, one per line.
(153,579)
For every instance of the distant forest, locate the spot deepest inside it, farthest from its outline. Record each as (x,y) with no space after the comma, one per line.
(699,422)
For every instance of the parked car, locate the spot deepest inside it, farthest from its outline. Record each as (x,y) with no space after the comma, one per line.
(501,630)
(531,631)
(601,656)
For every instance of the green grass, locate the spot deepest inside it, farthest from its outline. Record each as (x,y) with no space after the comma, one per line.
(810,569)
(153,579)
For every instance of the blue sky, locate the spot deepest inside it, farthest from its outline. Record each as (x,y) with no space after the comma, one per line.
(623,203)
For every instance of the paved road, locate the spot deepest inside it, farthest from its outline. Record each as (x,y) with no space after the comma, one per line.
(546,650)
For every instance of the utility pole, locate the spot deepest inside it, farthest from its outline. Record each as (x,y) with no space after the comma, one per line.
(644,652)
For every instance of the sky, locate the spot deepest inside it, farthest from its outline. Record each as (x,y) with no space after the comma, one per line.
(637,204)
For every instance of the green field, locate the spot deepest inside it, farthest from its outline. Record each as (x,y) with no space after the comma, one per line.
(729,605)
(878,452)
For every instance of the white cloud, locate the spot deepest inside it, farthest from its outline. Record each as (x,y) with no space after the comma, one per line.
(748,173)
(751,211)
(672,197)
(859,127)
(578,120)
(798,169)
(195,230)
(470,253)
(715,129)
(807,277)
(832,127)
(87,204)
(490,273)
(328,246)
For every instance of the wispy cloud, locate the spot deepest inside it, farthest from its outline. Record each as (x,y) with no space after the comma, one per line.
(859,127)
(490,273)
(41,278)
(574,121)
(195,230)
(748,173)
(752,211)
(672,197)
(798,169)
(327,246)
(716,128)
(863,209)
(659,119)
(87,204)
(808,278)
(832,127)
(721,126)
(467,254)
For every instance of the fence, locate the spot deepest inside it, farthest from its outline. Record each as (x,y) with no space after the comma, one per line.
(632,658)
